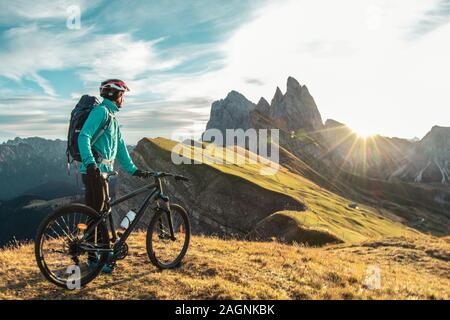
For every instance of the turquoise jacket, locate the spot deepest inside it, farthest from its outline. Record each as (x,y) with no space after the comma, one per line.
(110,144)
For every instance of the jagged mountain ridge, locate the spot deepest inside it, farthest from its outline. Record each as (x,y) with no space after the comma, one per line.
(294,110)
(302,132)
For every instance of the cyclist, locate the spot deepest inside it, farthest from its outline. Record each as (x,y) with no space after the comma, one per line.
(100,156)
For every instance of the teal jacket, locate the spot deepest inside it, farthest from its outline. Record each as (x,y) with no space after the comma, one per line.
(110,144)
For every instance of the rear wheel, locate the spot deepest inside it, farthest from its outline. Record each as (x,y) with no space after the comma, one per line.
(68,252)
(165,251)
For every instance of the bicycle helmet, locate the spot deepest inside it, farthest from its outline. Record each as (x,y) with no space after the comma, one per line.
(110,88)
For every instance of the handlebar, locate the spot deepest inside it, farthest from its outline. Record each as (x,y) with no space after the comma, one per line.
(177,177)
(154,174)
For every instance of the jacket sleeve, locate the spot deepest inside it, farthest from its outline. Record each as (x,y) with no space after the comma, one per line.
(95,120)
(123,156)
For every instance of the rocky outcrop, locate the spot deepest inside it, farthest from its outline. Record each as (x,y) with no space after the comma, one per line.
(263,106)
(230,113)
(295,109)
(429,160)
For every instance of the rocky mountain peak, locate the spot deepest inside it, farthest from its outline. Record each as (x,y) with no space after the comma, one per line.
(439,132)
(292,111)
(278,97)
(296,109)
(263,106)
(230,113)
(236,96)
(292,86)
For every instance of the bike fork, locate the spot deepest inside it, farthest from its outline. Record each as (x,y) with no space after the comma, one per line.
(168,214)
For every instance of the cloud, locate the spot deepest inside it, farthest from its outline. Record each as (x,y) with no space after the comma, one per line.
(432,19)
(16,11)
(146,44)
(31,49)
(109,55)
(43,83)
(162,118)
(49,116)
(31,115)
(254,81)
(357,63)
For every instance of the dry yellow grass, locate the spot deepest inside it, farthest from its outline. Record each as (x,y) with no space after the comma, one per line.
(411,268)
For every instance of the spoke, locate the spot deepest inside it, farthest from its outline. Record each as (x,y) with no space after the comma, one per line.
(55,245)
(47,235)
(68,229)
(56,233)
(75,230)
(56,221)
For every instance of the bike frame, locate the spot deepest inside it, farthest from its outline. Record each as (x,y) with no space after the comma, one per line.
(155,193)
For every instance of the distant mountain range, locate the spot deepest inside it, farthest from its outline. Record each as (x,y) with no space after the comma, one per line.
(33,181)
(302,132)
(428,160)
(35,166)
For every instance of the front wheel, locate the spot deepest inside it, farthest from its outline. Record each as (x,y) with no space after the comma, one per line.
(166,245)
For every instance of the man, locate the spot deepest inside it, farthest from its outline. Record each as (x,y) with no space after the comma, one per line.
(100,156)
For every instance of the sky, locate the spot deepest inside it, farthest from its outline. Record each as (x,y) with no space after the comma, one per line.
(378,66)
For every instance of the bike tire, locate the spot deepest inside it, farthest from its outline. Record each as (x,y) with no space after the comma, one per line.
(101,229)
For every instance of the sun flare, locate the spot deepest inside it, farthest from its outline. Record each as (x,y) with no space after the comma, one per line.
(363,132)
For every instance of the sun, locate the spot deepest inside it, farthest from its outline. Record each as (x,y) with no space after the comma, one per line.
(363,132)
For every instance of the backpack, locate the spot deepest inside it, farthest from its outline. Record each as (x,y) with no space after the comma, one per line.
(77,119)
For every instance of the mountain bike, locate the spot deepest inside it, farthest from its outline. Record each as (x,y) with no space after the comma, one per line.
(73,244)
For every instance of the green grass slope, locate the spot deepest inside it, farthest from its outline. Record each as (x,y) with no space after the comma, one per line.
(326,211)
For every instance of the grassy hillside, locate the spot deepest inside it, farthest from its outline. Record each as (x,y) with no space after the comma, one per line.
(326,212)
(421,206)
(413,268)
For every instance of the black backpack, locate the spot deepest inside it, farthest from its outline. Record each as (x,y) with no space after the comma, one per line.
(77,119)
